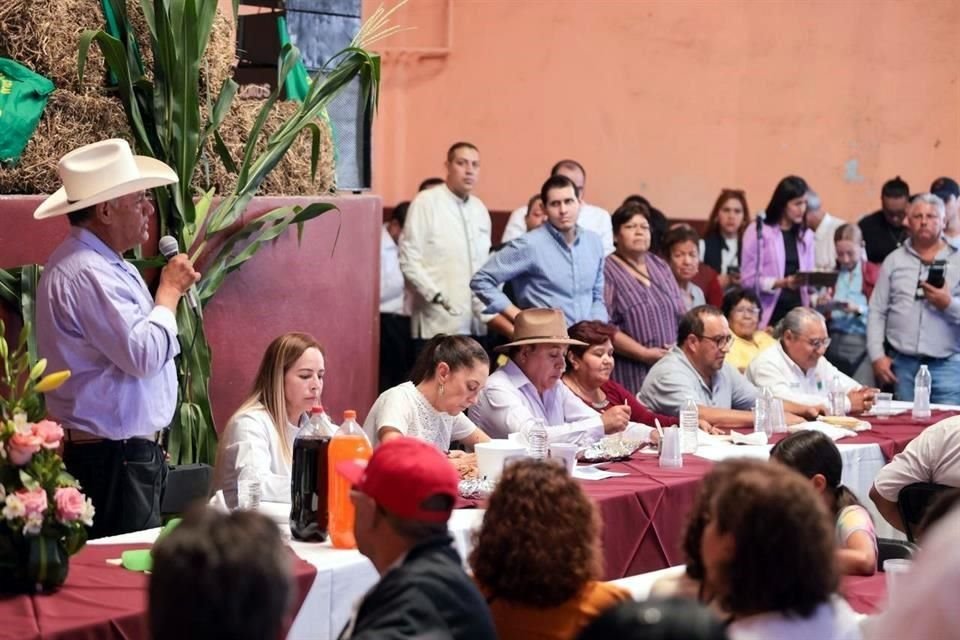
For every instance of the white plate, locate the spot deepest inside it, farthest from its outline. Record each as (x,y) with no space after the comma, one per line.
(876,413)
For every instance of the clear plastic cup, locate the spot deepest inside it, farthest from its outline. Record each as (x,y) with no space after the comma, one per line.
(896,570)
(884,404)
(566,452)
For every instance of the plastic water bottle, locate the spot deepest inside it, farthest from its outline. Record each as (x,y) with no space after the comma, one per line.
(248,489)
(321,421)
(921,393)
(348,443)
(689,426)
(536,433)
(836,398)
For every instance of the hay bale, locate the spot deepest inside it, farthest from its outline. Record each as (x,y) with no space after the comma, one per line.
(69,121)
(44,34)
(291,176)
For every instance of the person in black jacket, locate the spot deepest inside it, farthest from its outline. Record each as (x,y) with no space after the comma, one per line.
(403,499)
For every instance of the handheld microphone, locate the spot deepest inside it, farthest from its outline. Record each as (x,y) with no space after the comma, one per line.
(169,248)
(761,216)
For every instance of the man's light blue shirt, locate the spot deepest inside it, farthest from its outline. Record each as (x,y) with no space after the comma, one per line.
(96,318)
(546,272)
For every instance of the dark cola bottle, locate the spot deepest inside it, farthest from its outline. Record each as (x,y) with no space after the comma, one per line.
(309,516)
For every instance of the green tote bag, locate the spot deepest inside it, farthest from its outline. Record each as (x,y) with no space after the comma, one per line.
(23,96)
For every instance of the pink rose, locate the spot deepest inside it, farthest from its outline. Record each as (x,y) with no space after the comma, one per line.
(50,432)
(70,504)
(34,502)
(22,446)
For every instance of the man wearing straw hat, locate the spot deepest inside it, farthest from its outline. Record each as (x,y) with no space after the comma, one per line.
(528,387)
(96,318)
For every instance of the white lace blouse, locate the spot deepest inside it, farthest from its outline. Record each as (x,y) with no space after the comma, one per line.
(405,409)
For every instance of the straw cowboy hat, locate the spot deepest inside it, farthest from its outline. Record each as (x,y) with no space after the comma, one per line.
(99,172)
(540,326)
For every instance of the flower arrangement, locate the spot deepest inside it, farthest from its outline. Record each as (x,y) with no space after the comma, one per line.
(44,515)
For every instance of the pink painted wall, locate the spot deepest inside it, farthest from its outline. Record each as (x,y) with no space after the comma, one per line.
(674,99)
(329,291)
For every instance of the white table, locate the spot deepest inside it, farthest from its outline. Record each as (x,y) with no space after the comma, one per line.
(343,576)
(861,463)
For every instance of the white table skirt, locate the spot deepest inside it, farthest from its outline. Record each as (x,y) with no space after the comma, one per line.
(343,576)
(861,463)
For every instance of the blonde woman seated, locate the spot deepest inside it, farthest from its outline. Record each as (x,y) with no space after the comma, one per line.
(537,557)
(742,309)
(446,379)
(261,433)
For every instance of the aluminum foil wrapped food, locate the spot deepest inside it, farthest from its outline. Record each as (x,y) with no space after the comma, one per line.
(608,449)
(476,488)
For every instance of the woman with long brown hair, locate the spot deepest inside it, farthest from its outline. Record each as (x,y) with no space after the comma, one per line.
(720,246)
(261,432)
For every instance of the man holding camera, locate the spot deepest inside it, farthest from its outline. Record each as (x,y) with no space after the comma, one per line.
(915,308)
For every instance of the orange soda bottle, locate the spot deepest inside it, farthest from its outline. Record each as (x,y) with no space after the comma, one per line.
(348,443)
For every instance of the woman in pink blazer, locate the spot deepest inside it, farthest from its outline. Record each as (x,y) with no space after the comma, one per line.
(785,248)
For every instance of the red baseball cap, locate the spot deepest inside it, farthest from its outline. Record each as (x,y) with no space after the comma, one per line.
(401,474)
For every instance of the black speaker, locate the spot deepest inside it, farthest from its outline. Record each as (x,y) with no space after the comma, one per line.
(186,483)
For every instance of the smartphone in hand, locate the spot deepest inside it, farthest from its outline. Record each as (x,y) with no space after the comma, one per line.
(936,276)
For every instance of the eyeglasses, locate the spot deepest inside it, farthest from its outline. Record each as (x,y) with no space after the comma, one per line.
(721,341)
(747,311)
(816,343)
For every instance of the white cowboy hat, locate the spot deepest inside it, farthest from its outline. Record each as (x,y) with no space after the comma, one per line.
(99,172)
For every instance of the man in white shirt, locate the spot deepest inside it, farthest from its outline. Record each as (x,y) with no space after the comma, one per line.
(396,347)
(796,370)
(823,225)
(926,606)
(446,238)
(933,456)
(528,387)
(591,218)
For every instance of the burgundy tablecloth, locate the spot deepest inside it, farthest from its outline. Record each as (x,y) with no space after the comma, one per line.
(644,513)
(99,601)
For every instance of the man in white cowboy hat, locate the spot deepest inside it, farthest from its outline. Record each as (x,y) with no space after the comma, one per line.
(528,387)
(96,318)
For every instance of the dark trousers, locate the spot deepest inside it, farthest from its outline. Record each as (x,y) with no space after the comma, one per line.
(123,478)
(396,350)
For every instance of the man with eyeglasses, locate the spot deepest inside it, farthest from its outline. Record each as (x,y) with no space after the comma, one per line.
(795,368)
(914,316)
(696,368)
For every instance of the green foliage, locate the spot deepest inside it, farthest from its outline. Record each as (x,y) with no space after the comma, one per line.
(166,119)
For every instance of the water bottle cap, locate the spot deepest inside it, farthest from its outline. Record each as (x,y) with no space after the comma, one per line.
(316,409)
(349,414)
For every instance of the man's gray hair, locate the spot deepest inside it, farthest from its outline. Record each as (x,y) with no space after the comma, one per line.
(813,201)
(795,319)
(932,199)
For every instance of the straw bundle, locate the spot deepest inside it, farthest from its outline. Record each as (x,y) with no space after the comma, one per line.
(44,34)
(69,121)
(291,176)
